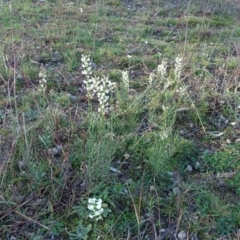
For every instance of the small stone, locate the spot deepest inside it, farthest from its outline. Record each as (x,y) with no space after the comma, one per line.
(182,235)
(22,164)
(55,151)
(228,141)
(24,174)
(182,132)
(191,125)
(235,124)
(176,191)
(189,168)
(197,165)
(115,170)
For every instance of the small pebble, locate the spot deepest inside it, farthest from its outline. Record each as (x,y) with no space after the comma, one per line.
(55,151)
(228,141)
(191,125)
(176,191)
(235,125)
(22,164)
(182,235)
(23,174)
(115,170)
(197,165)
(189,168)
(182,132)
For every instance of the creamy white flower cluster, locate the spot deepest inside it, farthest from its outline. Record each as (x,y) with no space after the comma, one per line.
(87,71)
(95,207)
(162,69)
(125,80)
(162,72)
(178,67)
(104,90)
(101,87)
(42,79)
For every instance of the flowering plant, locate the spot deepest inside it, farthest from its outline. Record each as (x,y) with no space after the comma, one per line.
(95,207)
(101,87)
(125,79)
(42,79)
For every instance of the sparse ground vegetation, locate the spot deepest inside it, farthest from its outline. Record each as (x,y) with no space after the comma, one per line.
(119,119)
